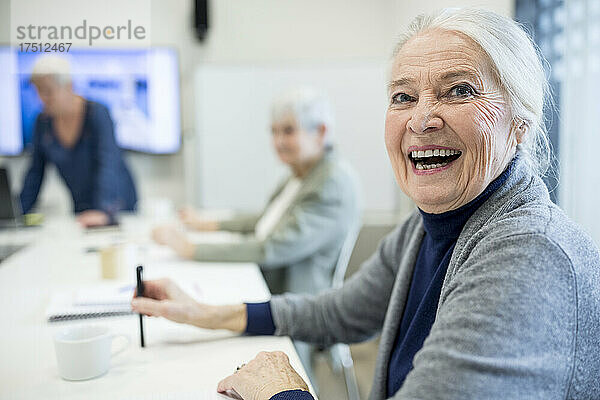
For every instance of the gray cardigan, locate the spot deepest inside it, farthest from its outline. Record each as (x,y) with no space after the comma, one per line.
(301,251)
(518,316)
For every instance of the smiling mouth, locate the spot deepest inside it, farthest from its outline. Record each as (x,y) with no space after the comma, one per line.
(433,158)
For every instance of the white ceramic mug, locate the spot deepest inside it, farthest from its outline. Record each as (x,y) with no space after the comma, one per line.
(84,352)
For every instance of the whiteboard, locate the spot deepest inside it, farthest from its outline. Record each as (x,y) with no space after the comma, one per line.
(236,165)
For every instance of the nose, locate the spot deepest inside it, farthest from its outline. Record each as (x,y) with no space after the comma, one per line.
(425,118)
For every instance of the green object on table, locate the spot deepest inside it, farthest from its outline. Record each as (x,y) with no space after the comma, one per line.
(33,219)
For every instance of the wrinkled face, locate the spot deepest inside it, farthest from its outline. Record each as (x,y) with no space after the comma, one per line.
(54,96)
(448,131)
(293,144)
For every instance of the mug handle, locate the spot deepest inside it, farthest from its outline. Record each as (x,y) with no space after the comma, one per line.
(127,339)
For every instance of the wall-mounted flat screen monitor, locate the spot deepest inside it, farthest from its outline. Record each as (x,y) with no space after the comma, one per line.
(140,87)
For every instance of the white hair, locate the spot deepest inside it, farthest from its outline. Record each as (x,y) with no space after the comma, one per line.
(54,66)
(310,107)
(516,62)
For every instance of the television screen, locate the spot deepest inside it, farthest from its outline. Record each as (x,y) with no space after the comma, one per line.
(11,132)
(140,87)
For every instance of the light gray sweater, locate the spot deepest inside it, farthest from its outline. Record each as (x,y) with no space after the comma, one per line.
(518,316)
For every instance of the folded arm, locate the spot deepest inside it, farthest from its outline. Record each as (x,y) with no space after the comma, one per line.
(242,223)
(316,221)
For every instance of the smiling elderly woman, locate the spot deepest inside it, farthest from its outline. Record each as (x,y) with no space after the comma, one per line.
(487,291)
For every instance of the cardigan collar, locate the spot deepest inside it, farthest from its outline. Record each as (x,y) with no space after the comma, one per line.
(448,225)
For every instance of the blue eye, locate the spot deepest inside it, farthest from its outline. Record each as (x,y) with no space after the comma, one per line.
(462,90)
(402,98)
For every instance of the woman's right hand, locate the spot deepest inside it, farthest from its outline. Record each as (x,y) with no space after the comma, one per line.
(163,298)
(193,220)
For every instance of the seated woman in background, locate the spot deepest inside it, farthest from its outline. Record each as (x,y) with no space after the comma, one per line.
(298,236)
(488,290)
(77,136)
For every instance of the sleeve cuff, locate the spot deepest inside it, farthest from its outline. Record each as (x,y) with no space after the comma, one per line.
(293,395)
(260,320)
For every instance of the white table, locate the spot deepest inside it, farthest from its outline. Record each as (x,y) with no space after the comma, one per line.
(179,361)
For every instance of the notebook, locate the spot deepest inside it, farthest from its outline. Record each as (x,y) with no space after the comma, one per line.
(101,300)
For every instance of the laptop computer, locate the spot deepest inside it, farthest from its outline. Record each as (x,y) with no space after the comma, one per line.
(10,209)
(10,215)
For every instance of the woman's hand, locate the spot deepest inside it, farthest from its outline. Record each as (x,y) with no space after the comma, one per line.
(163,298)
(266,375)
(171,236)
(192,219)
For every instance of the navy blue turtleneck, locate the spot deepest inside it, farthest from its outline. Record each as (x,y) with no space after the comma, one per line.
(441,233)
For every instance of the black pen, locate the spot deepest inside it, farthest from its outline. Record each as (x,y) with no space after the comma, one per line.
(139,293)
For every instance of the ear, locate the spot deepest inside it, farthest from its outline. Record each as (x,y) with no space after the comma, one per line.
(520,127)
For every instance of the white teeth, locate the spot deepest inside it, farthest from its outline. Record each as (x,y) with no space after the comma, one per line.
(421,166)
(433,153)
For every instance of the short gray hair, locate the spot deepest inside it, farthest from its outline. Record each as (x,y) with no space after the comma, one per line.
(310,107)
(51,65)
(517,63)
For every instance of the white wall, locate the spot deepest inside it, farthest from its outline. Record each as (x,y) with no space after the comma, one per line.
(248,32)
(405,11)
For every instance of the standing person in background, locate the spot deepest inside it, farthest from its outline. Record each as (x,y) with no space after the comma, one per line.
(77,136)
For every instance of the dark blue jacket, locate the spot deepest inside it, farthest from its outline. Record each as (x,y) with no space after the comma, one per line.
(93,170)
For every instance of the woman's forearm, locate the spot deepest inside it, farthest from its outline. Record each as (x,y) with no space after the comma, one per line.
(232,317)
(206,225)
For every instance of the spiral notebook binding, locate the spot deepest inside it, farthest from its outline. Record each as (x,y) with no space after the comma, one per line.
(104,314)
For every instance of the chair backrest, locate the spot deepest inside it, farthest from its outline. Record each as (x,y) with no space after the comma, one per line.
(344,258)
